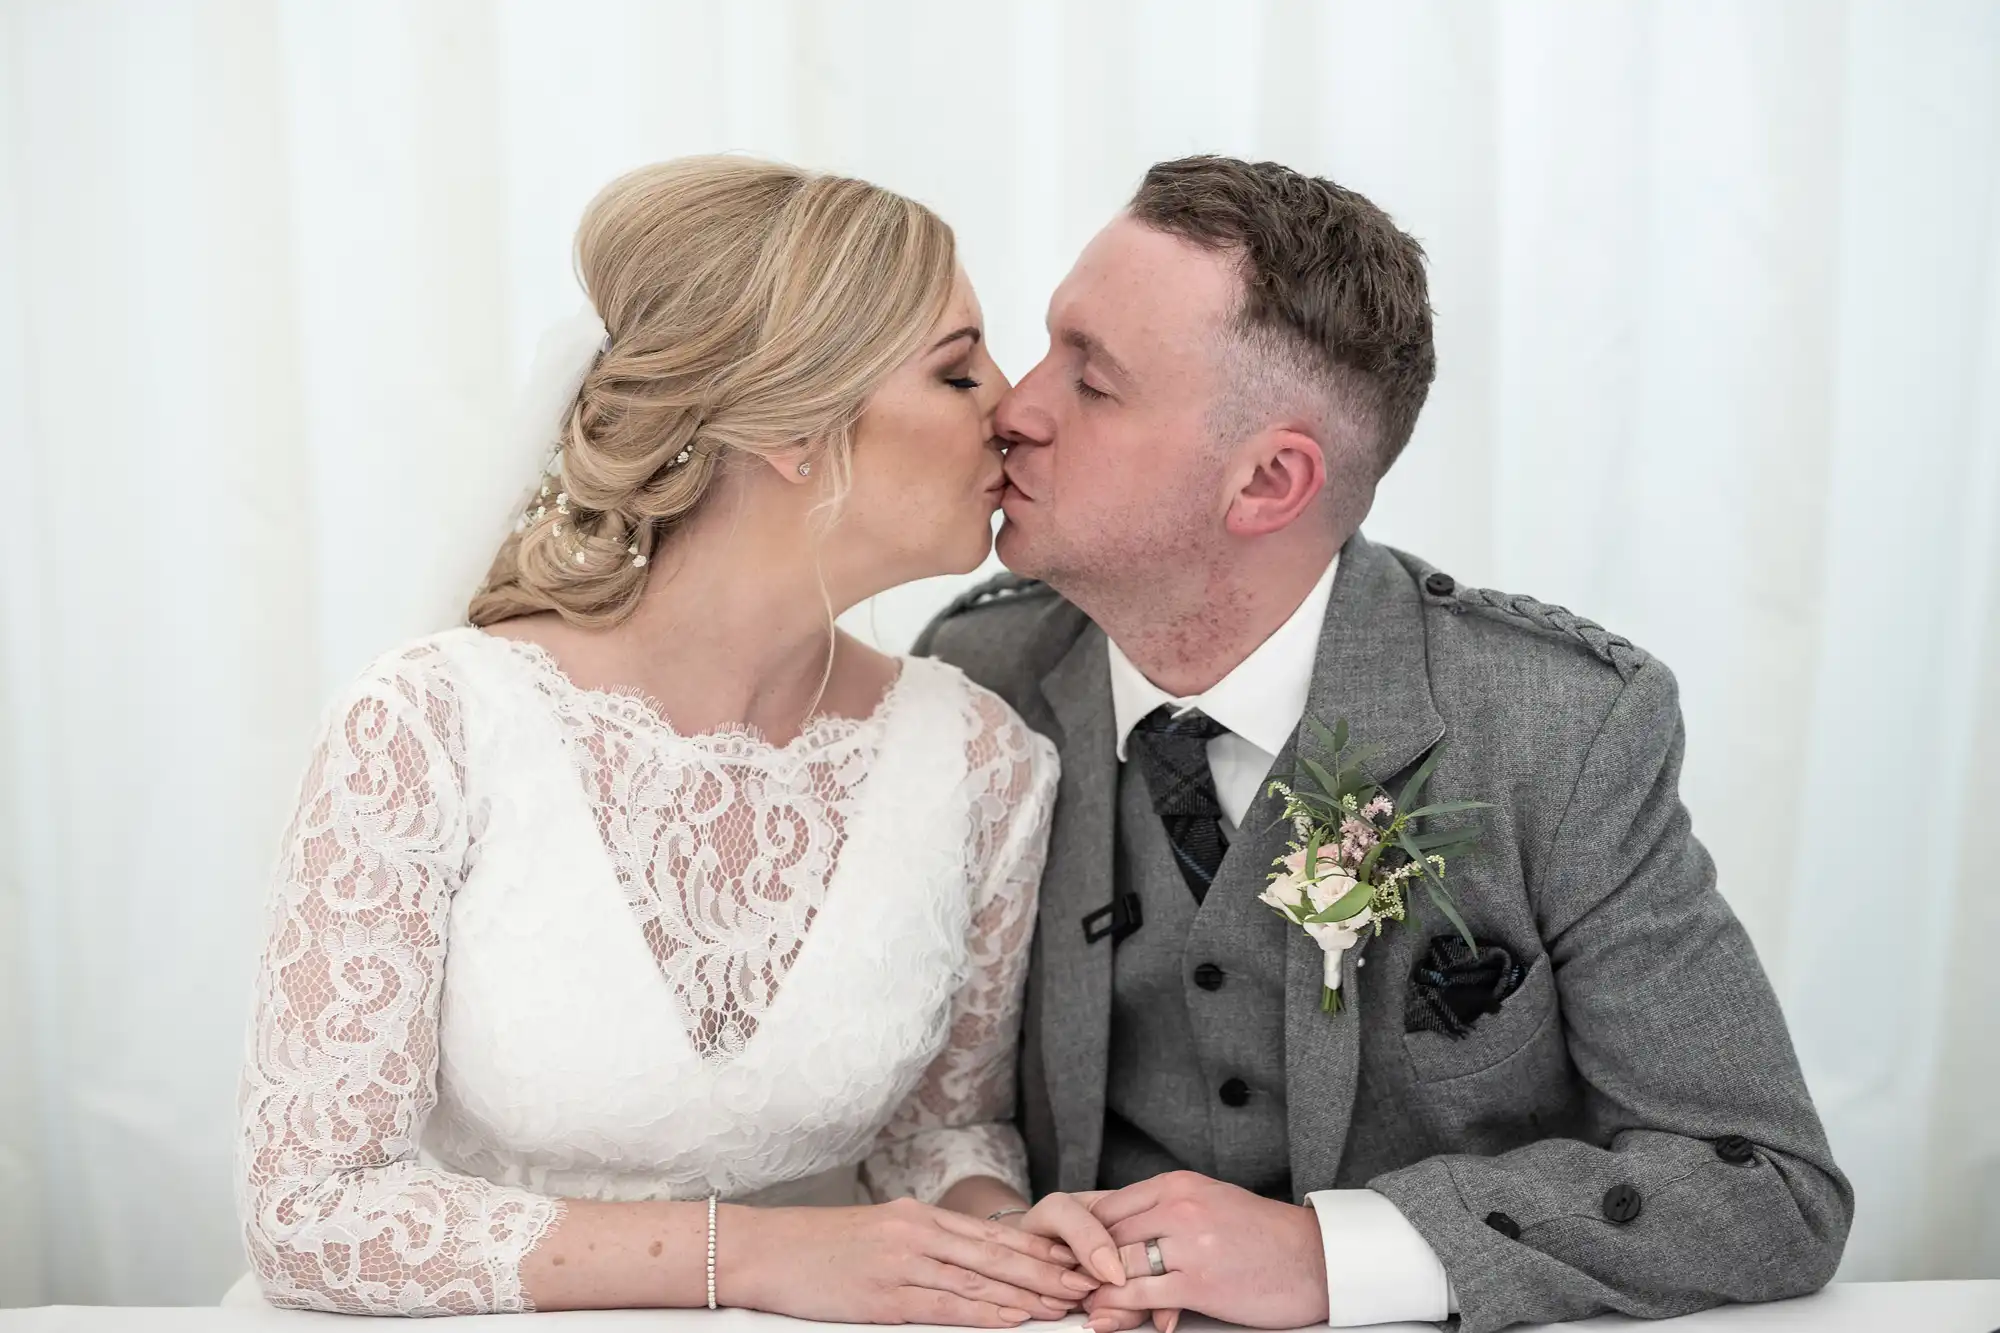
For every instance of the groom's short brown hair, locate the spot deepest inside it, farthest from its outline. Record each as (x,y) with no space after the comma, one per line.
(1330,283)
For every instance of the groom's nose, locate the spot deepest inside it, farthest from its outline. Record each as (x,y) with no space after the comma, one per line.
(1020,418)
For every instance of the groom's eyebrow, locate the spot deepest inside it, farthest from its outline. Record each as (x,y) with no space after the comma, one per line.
(1096,351)
(967,332)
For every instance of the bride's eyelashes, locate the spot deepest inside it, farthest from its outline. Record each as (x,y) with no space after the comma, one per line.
(961,382)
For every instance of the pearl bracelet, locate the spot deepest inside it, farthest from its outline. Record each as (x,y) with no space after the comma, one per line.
(711,1251)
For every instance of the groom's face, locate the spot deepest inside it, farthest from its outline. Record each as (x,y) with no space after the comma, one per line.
(1112,469)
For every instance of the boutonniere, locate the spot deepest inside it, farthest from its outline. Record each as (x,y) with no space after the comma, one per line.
(1355,850)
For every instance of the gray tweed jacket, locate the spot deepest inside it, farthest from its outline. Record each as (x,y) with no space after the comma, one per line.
(1630,1130)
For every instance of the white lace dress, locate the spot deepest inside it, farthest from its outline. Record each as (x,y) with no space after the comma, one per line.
(528,943)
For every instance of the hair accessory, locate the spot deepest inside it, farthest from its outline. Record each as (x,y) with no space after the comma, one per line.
(563,360)
(682,457)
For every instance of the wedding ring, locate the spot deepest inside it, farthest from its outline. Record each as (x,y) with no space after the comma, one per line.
(1153,1259)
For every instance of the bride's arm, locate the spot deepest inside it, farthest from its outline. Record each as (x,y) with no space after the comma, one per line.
(337,1212)
(953,1141)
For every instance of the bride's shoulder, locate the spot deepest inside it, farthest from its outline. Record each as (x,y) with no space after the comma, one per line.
(995,730)
(430,674)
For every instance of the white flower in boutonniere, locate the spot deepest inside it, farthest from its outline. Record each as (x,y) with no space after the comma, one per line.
(1355,849)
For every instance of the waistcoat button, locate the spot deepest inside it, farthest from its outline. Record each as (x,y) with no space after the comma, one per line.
(1235,1092)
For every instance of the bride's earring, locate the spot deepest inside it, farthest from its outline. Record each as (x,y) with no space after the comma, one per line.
(805,469)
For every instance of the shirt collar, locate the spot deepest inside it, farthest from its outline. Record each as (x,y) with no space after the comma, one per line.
(1261,699)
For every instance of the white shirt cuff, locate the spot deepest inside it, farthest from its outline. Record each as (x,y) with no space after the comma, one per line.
(1379,1269)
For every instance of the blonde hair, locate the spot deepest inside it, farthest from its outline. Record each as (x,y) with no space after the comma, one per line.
(753,307)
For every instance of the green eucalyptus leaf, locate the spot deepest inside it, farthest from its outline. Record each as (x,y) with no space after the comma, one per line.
(1348,904)
(1439,894)
(1325,779)
(1446,842)
(1447,808)
(1356,763)
(1444,904)
(1415,785)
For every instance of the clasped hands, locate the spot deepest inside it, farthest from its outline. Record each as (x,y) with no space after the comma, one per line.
(1226,1252)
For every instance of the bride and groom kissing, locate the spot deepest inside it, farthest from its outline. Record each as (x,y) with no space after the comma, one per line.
(647,942)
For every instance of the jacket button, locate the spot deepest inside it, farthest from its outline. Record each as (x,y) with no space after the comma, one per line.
(1735,1150)
(1235,1092)
(1505,1225)
(1439,584)
(1622,1203)
(1208,976)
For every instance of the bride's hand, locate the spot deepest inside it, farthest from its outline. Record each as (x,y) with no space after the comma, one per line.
(1067,1219)
(893,1263)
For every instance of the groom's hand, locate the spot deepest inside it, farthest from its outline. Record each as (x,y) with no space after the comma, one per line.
(1229,1254)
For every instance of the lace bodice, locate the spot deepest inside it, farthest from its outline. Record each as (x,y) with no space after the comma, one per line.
(527,943)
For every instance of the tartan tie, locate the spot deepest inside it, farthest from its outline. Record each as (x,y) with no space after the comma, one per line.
(1173,751)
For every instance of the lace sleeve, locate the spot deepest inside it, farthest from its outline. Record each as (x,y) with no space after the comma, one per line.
(958,1122)
(337,1213)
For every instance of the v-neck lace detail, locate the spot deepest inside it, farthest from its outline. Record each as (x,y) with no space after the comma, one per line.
(724,843)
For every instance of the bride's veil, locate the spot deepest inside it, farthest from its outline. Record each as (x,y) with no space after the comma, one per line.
(495,498)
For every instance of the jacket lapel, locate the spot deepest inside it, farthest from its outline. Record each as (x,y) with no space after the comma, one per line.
(1372,670)
(1075,976)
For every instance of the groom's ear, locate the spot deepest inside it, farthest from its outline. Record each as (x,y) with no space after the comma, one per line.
(1277,477)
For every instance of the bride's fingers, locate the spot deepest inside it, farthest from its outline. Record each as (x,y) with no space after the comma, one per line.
(1115,1321)
(1006,1265)
(1069,1219)
(976,1286)
(1014,1238)
(926,1305)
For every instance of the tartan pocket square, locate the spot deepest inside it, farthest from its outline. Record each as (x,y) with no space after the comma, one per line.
(1452,986)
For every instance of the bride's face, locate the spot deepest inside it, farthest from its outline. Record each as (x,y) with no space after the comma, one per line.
(927,476)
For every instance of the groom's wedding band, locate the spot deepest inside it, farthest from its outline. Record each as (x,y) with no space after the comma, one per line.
(1153,1259)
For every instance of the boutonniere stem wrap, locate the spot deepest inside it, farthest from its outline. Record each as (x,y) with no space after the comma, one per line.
(1356,850)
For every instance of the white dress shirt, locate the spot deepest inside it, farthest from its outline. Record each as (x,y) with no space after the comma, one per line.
(1378,1268)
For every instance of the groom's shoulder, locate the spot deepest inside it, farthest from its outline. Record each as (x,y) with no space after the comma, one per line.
(1004,633)
(1480,625)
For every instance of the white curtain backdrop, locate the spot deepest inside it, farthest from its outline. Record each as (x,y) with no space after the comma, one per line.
(1718,295)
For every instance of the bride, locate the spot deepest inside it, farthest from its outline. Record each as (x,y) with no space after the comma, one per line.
(618,926)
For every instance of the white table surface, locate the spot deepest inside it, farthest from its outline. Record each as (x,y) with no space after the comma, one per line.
(1845,1307)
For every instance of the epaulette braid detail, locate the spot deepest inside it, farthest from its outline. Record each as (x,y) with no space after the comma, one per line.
(1615,650)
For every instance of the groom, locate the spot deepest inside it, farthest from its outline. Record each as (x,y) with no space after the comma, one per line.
(1600,1109)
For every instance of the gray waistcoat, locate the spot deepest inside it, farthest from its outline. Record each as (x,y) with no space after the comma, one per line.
(1175,1044)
